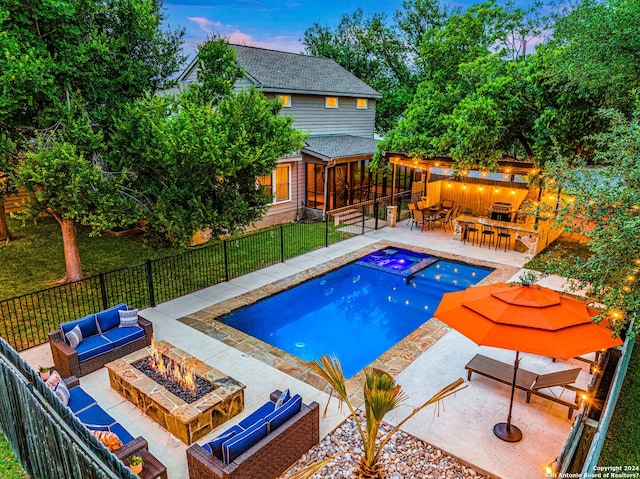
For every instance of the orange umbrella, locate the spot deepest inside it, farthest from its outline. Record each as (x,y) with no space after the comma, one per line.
(525,318)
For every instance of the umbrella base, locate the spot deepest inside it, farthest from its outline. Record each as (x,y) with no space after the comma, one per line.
(509,433)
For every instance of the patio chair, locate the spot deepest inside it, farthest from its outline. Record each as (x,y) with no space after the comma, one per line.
(418,219)
(446,204)
(445,219)
(528,381)
(412,208)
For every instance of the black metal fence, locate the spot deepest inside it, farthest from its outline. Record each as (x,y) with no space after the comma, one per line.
(47,440)
(25,321)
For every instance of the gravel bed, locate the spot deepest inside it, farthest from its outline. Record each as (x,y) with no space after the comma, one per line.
(404,457)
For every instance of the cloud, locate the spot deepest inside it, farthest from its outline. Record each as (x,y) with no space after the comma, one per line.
(283,43)
(205,24)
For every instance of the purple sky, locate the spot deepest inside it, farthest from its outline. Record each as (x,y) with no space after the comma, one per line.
(273,24)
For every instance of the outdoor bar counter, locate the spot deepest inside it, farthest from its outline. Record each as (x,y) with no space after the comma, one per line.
(524,238)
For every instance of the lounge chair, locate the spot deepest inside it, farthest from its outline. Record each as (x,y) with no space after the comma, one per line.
(528,381)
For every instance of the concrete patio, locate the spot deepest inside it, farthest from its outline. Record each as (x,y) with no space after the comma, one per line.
(463,427)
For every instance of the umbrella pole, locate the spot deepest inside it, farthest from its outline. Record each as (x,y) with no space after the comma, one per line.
(507,431)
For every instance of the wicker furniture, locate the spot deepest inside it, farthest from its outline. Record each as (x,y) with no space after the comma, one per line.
(269,457)
(67,359)
(84,407)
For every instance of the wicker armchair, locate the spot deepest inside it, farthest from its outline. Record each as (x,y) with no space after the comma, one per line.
(66,358)
(267,459)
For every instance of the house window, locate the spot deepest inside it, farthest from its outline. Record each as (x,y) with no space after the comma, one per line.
(362,104)
(285,100)
(282,183)
(278,184)
(331,102)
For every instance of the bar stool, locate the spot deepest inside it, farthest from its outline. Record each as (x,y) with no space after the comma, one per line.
(469,228)
(488,234)
(503,233)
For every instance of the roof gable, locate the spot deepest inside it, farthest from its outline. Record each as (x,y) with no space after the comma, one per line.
(284,72)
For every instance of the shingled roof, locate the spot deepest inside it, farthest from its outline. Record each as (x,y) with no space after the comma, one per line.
(331,147)
(283,72)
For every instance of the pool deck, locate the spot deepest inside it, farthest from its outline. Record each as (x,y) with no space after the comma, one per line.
(423,363)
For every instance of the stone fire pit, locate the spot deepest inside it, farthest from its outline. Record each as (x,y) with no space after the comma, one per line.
(188,422)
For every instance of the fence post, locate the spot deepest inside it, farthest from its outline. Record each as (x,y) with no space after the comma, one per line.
(282,243)
(375,212)
(326,232)
(363,218)
(226,261)
(103,291)
(152,295)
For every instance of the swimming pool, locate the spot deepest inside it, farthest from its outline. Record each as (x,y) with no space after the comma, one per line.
(358,311)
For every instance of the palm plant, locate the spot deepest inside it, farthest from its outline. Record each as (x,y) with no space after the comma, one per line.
(381,395)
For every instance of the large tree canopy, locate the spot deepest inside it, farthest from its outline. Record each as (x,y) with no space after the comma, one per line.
(197,156)
(66,60)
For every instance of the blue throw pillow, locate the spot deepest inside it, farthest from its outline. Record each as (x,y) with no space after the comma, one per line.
(215,446)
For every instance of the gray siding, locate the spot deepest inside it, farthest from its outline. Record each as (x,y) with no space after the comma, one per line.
(311,115)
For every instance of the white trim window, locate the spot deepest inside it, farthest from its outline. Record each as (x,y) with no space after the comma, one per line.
(285,100)
(278,183)
(331,102)
(362,103)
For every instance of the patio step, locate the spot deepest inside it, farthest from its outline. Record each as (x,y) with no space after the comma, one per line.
(349,216)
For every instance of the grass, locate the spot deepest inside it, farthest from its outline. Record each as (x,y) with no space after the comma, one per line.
(10,468)
(37,261)
(623,437)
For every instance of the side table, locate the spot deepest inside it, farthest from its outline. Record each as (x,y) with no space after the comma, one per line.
(153,468)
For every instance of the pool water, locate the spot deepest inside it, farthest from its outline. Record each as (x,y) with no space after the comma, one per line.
(355,312)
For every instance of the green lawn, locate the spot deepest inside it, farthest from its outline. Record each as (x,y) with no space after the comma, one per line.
(9,466)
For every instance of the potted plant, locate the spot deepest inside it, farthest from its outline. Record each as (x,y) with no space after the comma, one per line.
(135,464)
(44,372)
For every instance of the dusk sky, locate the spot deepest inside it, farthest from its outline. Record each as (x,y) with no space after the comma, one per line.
(273,24)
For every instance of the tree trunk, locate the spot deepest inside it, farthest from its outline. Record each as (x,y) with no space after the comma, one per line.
(370,471)
(5,234)
(71,252)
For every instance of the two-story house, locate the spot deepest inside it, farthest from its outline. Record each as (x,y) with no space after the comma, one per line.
(335,108)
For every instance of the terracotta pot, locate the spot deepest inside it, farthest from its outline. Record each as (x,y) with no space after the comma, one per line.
(137,469)
(45,376)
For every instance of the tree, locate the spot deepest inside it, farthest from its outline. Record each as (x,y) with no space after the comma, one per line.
(476,100)
(382,395)
(71,187)
(604,206)
(197,156)
(101,55)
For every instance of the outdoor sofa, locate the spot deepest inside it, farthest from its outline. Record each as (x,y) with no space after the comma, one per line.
(104,337)
(528,381)
(261,446)
(89,412)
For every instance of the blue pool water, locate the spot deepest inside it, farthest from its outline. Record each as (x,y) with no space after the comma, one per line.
(356,312)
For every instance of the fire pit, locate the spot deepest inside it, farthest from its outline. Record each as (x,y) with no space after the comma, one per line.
(181,393)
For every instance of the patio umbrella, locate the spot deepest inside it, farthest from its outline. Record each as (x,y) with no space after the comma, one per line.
(525,318)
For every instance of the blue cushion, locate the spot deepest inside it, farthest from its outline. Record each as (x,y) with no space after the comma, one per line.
(110,318)
(121,336)
(88,326)
(121,432)
(281,415)
(95,416)
(257,415)
(79,399)
(239,443)
(92,346)
(215,446)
